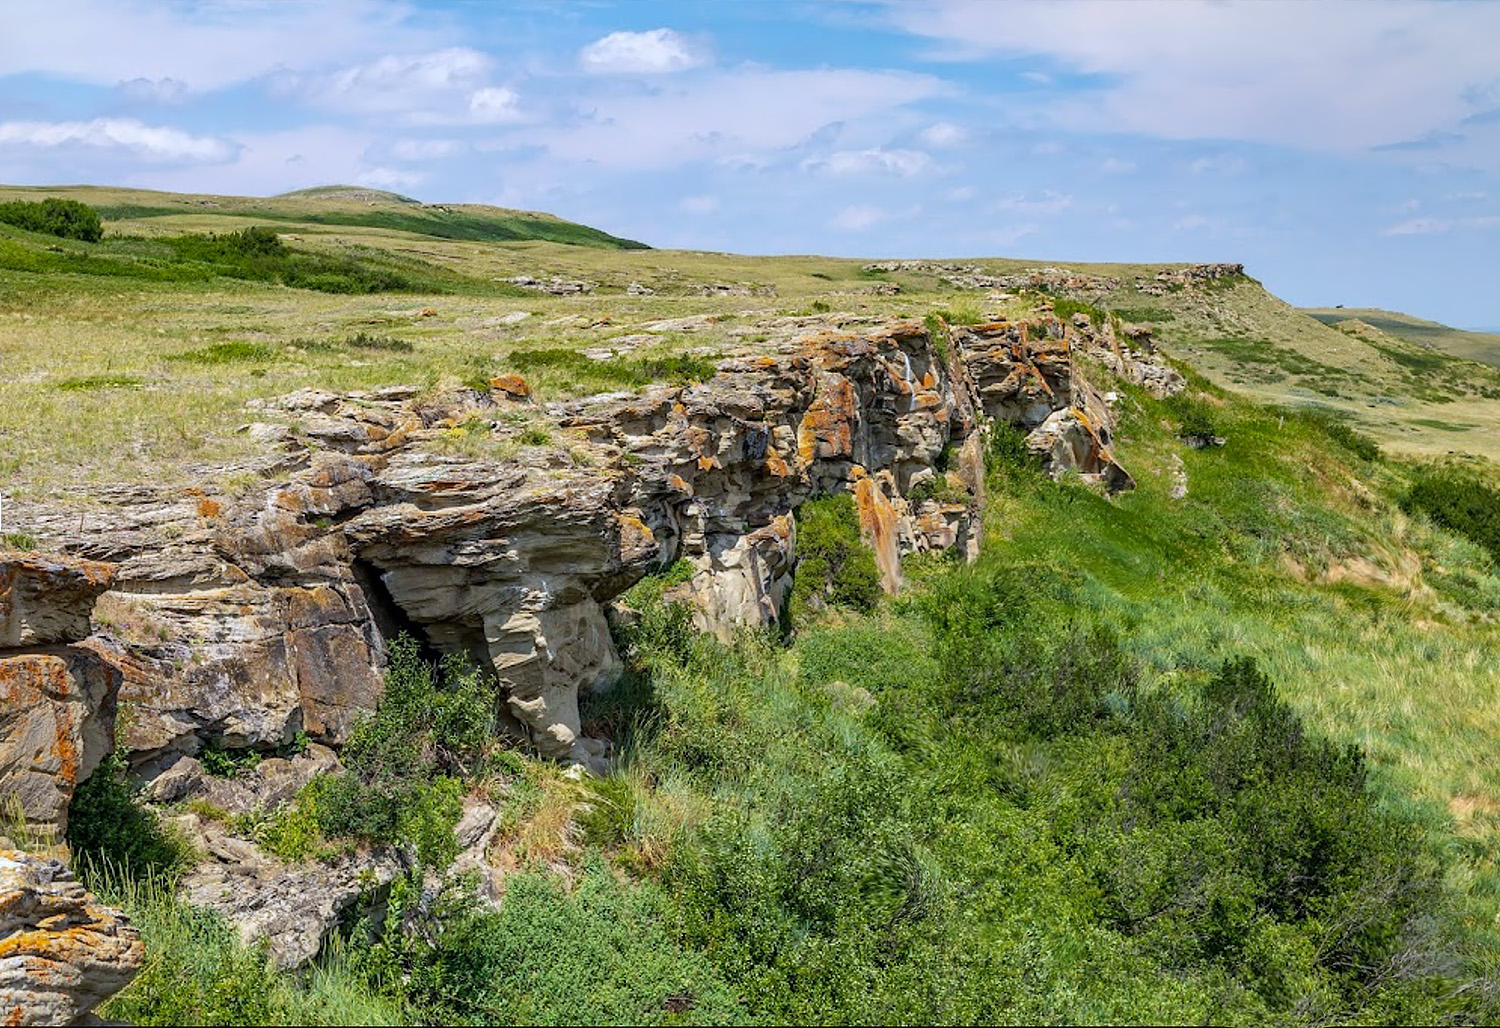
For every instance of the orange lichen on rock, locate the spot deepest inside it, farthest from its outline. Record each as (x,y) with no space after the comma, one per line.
(827,429)
(513,386)
(877,524)
(776,466)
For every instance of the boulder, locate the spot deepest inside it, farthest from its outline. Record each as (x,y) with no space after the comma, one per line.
(61,952)
(290,906)
(57,708)
(48,599)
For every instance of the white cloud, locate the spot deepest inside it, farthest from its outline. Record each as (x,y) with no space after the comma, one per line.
(424,149)
(1116,166)
(857,218)
(648,53)
(165,91)
(272,162)
(204,46)
(961,194)
(699,204)
(741,118)
(153,142)
(1433,226)
(494,103)
(1217,165)
(1048,201)
(945,133)
(1048,148)
(1196,69)
(389,178)
(903,163)
(437,85)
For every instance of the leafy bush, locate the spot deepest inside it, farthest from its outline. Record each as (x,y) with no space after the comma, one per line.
(596,954)
(108,825)
(1459,501)
(833,565)
(67,219)
(1194,416)
(403,765)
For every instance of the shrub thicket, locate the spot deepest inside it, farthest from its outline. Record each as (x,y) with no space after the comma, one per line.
(833,565)
(67,219)
(404,765)
(1459,501)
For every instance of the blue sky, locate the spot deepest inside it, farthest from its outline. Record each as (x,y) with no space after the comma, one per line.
(1345,152)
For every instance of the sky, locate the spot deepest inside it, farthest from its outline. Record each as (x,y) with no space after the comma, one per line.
(1345,152)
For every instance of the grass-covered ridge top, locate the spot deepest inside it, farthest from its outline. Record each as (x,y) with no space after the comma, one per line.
(351,206)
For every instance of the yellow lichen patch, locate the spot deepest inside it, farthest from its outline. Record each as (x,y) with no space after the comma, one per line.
(776,466)
(877,523)
(208,508)
(706,463)
(681,484)
(827,429)
(635,535)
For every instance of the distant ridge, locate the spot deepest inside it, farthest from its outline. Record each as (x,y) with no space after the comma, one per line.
(1478,345)
(339,205)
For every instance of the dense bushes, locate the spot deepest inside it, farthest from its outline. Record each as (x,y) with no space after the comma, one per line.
(403,766)
(107,825)
(833,565)
(1459,501)
(67,219)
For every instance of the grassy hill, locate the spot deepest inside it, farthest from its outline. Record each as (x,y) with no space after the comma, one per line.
(1042,789)
(1456,342)
(307,210)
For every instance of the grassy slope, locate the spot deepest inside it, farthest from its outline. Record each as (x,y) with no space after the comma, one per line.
(1457,342)
(1378,628)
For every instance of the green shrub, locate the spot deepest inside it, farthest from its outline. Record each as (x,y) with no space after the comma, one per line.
(403,765)
(1195,417)
(234,352)
(68,219)
(616,372)
(598,953)
(91,382)
(833,565)
(1459,501)
(108,825)
(227,763)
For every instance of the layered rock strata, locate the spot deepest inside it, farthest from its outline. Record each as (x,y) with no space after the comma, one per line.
(246,616)
(61,953)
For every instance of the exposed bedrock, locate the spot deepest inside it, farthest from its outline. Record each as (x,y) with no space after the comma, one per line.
(250,614)
(60,952)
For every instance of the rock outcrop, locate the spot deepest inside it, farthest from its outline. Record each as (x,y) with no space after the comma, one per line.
(57,692)
(244,618)
(61,953)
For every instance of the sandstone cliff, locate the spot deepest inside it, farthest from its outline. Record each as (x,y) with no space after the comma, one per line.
(244,617)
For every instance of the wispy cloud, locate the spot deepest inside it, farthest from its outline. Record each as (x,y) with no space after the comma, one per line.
(644,53)
(1048,201)
(905,163)
(1434,226)
(152,142)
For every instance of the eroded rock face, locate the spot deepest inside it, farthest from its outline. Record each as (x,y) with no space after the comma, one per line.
(57,699)
(61,953)
(47,599)
(292,907)
(57,708)
(248,618)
